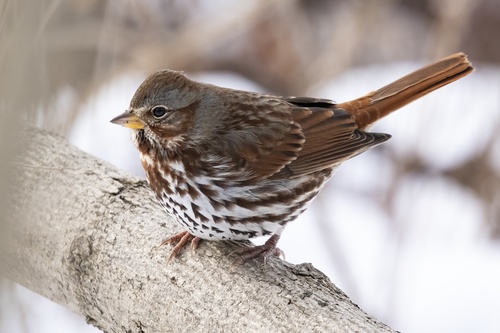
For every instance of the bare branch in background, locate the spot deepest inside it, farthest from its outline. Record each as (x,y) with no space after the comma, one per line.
(56,55)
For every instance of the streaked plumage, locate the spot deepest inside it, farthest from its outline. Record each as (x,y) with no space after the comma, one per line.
(232,164)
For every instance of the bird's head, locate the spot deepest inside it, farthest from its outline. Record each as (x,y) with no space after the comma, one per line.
(165,107)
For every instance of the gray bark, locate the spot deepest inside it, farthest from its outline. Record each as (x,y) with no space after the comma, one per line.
(86,235)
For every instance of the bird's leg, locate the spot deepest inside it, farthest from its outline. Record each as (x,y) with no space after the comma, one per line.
(180,240)
(265,250)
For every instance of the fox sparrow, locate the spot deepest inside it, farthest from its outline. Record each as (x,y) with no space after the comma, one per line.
(231,164)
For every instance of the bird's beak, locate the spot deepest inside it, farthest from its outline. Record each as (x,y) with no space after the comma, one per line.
(128,119)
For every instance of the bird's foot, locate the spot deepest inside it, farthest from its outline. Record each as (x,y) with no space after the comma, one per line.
(180,240)
(265,250)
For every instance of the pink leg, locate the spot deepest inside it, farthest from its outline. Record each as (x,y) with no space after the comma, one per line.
(180,240)
(265,250)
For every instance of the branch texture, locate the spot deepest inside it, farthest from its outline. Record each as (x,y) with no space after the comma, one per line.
(86,235)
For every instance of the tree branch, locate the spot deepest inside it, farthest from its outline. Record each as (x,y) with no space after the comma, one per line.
(85,235)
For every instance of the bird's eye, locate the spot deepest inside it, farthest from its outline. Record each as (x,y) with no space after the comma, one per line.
(159,111)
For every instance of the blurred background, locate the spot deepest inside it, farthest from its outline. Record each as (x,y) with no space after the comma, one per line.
(409,230)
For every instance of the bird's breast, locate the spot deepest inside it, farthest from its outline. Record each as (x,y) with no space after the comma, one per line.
(216,206)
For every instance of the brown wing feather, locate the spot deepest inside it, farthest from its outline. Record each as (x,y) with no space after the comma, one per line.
(283,153)
(330,141)
(265,139)
(303,134)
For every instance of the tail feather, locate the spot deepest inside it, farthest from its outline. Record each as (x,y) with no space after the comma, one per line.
(375,105)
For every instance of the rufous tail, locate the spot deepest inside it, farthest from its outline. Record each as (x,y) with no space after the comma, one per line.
(375,105)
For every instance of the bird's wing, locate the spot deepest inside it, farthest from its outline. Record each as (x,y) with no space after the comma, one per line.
(332,135)
(294,137)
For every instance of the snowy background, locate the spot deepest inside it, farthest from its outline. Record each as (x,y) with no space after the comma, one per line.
(409,230)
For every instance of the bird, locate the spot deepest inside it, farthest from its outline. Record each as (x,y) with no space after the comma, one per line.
(233,165)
